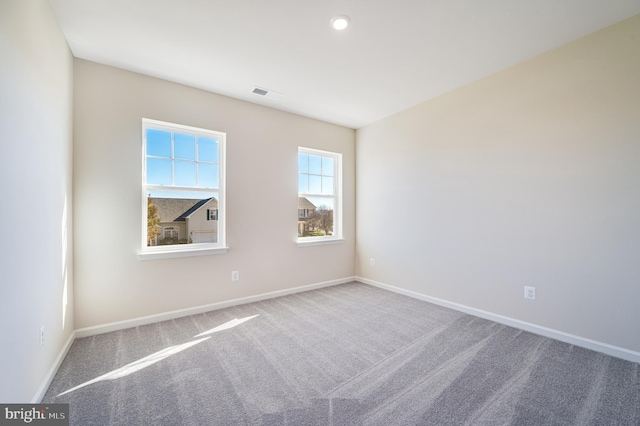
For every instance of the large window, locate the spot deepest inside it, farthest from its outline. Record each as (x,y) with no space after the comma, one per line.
(319,196)
(183,183)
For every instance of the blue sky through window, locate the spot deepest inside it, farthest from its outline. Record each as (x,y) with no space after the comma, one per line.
(184,146)
(178,159)
(315,174)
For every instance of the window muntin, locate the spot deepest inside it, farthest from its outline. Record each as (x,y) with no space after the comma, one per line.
(183,182)
(319,195)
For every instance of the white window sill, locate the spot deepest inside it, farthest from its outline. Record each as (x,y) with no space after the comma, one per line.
(172,253)
(311,242)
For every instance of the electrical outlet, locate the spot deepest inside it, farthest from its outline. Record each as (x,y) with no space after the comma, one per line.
(529,293)
(372,262)
(42,336)
(235,275)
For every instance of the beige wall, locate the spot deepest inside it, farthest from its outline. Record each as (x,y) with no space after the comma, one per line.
(262,201)
(528,177)
(36,287)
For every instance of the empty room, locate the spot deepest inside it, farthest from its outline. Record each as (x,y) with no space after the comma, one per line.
(466,180)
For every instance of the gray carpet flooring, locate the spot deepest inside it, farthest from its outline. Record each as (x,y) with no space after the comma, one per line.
(350,354)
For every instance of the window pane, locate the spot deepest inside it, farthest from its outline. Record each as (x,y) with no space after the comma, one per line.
(158,171)
(184,146)
(315,184)
(315,164)
(184,173)
(327,185)
(303,183)
(208,150)
(327,166)
(318,219)
(208,175)
(158,143)
(303,163)
(165,214)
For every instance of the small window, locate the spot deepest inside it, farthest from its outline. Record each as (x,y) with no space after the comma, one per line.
(171,233)
(183,181)
(319,195)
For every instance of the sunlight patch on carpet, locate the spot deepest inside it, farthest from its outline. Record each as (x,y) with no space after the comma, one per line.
(227,325)
(139,364)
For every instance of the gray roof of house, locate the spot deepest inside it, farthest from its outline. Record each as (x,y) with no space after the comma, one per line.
(303,203)
(177,209)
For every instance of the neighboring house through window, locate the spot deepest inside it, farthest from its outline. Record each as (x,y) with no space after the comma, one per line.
(319,195)
(305,212)
(183,183)
(186,221)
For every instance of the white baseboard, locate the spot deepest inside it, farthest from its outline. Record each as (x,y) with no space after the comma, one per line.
(604,348)
(37,398)
(135,322)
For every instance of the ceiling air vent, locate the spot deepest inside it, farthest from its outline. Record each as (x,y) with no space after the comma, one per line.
(267,93)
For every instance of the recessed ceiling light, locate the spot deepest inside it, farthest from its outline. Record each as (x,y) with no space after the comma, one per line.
(340,22)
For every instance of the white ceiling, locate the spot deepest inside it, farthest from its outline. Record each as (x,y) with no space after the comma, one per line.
(394,55)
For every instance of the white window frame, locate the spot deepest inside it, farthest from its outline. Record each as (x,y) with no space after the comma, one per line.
(184,250)
(337,236)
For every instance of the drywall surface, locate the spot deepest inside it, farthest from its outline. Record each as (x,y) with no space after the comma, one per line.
(112,284)
(35,178)
(529,177)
